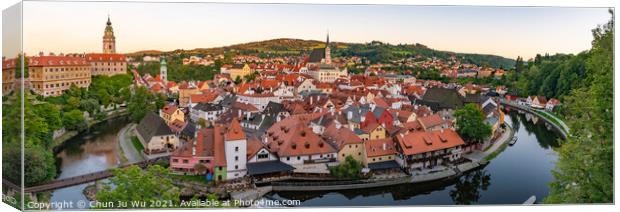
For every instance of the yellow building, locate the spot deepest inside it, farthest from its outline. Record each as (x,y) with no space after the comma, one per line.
(346,142)
(375,131)
(380,150)
(239,70)
(170,113)
(51,75)
(107,64)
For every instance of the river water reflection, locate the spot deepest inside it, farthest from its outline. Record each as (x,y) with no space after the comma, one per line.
(522,170)
(91,151)
(513,176)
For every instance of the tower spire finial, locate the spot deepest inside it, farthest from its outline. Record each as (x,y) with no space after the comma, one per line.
(327,43)
(109,22)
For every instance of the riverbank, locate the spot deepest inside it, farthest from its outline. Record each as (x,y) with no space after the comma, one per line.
(476,160)
(550,119)
(127,151)
(72,133)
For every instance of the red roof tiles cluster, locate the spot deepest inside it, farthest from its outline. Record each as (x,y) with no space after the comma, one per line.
(103,57)
(293,137)
(40,61)
(422,142)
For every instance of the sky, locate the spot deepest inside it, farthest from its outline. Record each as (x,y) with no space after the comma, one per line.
(76,27)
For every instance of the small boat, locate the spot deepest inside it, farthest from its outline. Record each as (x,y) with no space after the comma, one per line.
(513,141)
(530,201)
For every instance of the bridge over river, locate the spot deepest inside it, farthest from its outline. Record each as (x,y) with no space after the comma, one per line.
(77,180)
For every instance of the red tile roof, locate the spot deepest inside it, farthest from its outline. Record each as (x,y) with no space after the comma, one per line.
(102,57)
(56,61)
(340,137)
(422,141)
(431,121)
(379,147)
(234,131)
(218,146)
(169,109)
(293,137)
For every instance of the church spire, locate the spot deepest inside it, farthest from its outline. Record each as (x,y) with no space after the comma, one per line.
(109,23)
(328,57)
(327,43)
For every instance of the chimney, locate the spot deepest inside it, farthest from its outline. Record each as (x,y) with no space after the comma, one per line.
(384,146)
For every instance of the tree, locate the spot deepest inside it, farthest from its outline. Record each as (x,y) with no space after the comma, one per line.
(39,167)
(51,114)
(584,172)
(237,80)
(202,123)
(519,65)
(74,120)
(140,103)
(470,124)
(133,184)
(89,105)
(349,169)
(72,103)
(200,168)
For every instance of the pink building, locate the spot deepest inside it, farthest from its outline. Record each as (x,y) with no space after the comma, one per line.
(201,150)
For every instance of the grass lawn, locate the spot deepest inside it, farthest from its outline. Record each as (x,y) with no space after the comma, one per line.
(136,144)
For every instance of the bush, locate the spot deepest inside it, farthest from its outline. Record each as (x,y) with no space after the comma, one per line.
(349,169)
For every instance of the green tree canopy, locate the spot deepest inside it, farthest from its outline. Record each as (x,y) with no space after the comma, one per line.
(584,171)
(470,124)
(134,184)
(349,169)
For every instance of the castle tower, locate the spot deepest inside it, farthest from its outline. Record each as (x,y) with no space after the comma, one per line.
(163,70)
(235,148)
(109,42)
(328,57)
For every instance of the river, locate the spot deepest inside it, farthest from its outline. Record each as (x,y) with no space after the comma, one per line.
(512,177)
(520,171)
(93,150)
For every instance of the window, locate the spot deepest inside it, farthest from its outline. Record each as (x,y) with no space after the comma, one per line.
(288,158)
(185,161)
(175,160)
(236,158)
(263,155)
(236,167)
(298,158)
(236,149)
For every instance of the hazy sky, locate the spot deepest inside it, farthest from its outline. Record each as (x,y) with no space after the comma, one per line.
(506,31)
